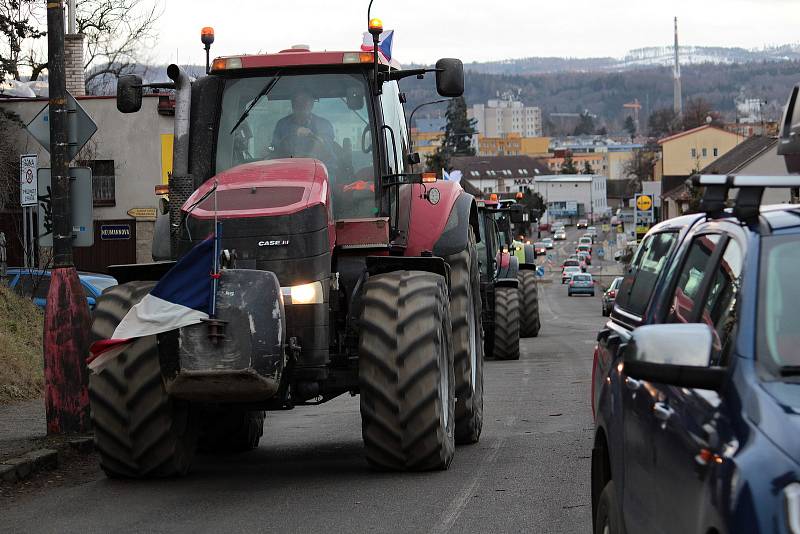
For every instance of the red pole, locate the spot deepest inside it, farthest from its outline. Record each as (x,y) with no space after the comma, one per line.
(66,315)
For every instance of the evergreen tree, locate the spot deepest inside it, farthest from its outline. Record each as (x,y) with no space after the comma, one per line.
(585,125)
(630,126)
(457,140)
(587,168)
(569,166)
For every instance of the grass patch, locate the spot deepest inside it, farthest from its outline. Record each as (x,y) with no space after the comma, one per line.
(21,360)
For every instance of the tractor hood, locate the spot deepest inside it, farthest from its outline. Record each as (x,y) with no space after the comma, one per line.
(262,189)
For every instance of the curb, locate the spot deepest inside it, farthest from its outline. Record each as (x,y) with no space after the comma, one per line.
(22,467)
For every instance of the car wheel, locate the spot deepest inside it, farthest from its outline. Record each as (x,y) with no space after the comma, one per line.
(607,520)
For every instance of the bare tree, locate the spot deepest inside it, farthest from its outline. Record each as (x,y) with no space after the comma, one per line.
(20,23)
(116,33)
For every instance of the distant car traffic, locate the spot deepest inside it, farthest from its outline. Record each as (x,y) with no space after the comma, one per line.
(35,283)
(548,242)
(540,247)
(610,295)
(585,240)
(568,271)
(559,235)
(581,284)
(587,249)
(592,230)
(582,223)
(585,257)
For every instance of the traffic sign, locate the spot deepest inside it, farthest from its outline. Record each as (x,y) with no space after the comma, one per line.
(644,202)
(27,179)
(80,127)
(80,195)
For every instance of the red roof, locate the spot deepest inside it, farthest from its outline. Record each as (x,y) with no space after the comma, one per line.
(693,130)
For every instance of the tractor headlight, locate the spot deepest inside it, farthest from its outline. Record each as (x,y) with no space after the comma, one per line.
(303,294)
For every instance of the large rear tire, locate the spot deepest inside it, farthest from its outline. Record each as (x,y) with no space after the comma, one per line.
(231,429)
(506,323)
(529,323)
(465,314)
(139,430)
(406,372)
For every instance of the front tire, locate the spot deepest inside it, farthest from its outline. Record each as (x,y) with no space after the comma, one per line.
(406,372)
(607,520)
(465,314)
(139,430)
(529,295)
(506,323)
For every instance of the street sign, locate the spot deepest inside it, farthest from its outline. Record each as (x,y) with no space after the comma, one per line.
(27,179)
(80,127)
(644,202)
(143,213)
(112,232)
(80,194)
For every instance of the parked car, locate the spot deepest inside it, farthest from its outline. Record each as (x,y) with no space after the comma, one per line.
(568,271)
(696,376)
(609,295)
(548,242)
(35,283)
(582,223)
(581,284)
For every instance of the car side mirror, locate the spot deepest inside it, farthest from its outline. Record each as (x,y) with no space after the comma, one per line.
(675,354)
(450,77)
(129,93)
(789,135)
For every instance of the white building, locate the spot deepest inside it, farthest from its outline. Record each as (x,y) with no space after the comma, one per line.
(573,195)
(499,117)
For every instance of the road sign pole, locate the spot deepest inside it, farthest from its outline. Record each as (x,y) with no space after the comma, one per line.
(66,321)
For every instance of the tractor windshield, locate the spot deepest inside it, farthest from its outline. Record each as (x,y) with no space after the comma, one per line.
(304,115)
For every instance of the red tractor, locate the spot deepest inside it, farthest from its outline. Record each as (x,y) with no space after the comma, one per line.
(345,271)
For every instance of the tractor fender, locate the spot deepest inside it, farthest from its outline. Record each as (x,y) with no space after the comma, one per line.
(509,266)
(527,266)
(429,222)
(455,236)
(506,282)
(386,264)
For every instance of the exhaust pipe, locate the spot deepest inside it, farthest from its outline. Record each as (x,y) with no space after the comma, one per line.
(181,184)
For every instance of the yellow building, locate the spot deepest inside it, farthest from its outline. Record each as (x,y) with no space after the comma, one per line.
(687,152)
(535,146)
(505,145)
(596,161)
(426,143)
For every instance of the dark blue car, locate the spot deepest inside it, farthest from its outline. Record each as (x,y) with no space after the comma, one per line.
(34,284)
(696,379)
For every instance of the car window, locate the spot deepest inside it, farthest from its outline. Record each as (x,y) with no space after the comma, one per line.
(779,304)
(721,301)
(582,278)
(684,297)
(649,262)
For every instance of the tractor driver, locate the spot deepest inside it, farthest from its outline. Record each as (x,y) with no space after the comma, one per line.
(302,133)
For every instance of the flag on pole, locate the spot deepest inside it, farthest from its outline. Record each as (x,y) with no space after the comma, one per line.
(181,298)
(384,43)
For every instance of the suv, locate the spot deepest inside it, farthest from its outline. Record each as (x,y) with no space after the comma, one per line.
(696,376)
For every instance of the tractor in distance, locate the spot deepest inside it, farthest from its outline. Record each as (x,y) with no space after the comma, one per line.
(345,272)
(508,286)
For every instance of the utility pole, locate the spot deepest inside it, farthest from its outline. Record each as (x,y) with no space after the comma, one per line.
(66,319)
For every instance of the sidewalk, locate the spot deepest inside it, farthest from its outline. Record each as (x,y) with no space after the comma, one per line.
(23,427)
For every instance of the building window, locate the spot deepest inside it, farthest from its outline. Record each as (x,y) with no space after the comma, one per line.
(705,152)
(103,184)
(716,152)
(694,152)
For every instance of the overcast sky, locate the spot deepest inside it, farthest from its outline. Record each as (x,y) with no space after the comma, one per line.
(475,30)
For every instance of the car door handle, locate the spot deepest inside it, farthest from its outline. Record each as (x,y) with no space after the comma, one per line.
(662,411)
(632,383)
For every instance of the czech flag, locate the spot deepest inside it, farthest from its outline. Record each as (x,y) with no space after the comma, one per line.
(384,43)
(181,298)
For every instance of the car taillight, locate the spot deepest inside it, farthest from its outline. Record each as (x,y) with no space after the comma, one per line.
(612,293)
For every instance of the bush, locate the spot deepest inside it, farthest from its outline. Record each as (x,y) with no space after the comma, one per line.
(21,373)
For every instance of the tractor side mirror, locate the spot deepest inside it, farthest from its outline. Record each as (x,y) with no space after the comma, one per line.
(355,98)
(519,216)
(789,139)
(450,77)
(129,93)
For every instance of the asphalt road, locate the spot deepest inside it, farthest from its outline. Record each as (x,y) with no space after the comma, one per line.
(528,473)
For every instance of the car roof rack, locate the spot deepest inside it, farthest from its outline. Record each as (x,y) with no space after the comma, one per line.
(751,188)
